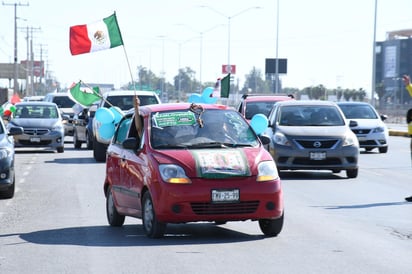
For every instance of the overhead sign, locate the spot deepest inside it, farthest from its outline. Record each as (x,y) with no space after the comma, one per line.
(271,66)
(229,69)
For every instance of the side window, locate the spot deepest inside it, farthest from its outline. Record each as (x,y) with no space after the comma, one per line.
(122,130)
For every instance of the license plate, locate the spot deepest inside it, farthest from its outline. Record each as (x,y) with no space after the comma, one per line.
(318,155)
(222,196)
(35,140)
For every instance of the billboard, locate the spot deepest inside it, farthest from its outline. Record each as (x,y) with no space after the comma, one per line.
(271,65)
(229,69)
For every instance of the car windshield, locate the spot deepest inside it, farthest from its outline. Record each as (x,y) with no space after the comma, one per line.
(36,111)
(310,116)
(211,128)
(63,101)
(125,102)
(253,108)
(358,112)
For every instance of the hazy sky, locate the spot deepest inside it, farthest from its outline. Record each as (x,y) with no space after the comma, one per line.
(327,42)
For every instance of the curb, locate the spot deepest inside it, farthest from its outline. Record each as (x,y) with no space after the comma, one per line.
(398,133)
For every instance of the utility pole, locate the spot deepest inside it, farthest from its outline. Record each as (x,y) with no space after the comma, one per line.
(16,70)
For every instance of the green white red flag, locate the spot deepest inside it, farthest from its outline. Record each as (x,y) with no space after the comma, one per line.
(86,96)
(101,35)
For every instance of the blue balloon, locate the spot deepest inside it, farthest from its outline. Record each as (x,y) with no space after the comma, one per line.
(209,100)
(259,123)
(117,113)
(106,131)
(195,98)
(104,115)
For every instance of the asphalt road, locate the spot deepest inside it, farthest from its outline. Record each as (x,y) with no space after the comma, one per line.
(56,223)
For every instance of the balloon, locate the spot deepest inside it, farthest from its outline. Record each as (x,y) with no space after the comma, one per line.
(195,98)
(12,109)
(259,123)
(117,113)
(106,131)
(209,100)
(7,112)
(104,115)
(207,92)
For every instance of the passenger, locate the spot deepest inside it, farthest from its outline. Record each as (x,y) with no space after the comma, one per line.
(408,85)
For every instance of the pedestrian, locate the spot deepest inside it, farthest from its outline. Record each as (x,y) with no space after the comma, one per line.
(408,85)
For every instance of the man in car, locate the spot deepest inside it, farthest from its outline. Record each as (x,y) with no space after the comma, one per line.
(408,85)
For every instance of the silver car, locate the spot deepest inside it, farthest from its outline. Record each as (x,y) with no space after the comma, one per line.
(41,123)
(312,135)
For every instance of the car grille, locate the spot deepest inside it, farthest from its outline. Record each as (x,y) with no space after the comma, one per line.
(225,208)
(308,162)
(322,143)
(41,143)
(361,131)
(36,131)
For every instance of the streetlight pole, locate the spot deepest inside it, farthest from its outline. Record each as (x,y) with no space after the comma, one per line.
(374,56)
(228,27)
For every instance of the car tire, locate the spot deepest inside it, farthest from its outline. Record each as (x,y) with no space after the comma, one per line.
(151,226)
(89,141)
(60,149)
(113,217)
(9,192)
(99,151)
(383,149)
(271,227)
(76,142)
(352,173)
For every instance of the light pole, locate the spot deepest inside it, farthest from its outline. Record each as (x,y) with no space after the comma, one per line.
(229,18)
(374,56)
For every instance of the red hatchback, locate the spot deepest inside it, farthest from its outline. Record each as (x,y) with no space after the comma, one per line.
(193,163)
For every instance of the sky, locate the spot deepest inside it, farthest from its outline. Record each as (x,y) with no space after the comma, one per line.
(326,42)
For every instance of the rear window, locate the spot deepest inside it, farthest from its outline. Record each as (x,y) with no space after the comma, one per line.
(125,102)
(63,101)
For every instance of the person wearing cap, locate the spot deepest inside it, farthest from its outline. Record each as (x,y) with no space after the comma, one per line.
(408,85)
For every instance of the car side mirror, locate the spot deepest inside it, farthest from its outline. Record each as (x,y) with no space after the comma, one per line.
(353,123)
(384,117)
(130,143)
(16,131)
(264,139)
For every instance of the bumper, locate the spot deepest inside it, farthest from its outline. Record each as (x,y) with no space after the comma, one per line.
(191,203)
(53,139)
(341,159)
(373,140)
(6,173)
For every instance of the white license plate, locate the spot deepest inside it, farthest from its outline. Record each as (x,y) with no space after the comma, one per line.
(318,155)
(221,196)
(35,139)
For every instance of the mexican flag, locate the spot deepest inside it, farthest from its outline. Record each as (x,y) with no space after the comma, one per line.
(225,86)
(84,97)
(100,35)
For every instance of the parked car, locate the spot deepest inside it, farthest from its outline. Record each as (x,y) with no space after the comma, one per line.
(312,135)
(371,130)
(251,104)
(194,163)
(7,175)
(65,105)
(42,125)
(83,127)
(123,99)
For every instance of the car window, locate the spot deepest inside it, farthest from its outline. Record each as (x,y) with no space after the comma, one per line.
(63,101)
(36,111)
(125,102)
(358,112)
(122,130)
(310,116)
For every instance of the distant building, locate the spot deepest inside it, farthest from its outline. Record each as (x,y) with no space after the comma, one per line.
(394,59)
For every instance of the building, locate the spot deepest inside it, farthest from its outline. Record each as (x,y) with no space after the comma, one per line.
(393,60)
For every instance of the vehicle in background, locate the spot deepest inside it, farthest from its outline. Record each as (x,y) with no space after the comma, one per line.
(35,98)
(194,163)
(251,104)
(371,130)
(124,100)
(41,123)
(7,175)
(312,135)
(83,127)
(65,105)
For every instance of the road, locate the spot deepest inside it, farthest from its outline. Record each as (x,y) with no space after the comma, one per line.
(56,223)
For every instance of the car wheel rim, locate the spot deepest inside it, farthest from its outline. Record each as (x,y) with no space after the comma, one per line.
(148,215)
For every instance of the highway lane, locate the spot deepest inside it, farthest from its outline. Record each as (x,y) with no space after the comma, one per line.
(56,223)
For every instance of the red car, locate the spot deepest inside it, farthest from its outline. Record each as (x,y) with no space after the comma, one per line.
(193,163)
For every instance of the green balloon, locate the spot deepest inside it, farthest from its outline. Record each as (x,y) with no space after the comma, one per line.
(13,109)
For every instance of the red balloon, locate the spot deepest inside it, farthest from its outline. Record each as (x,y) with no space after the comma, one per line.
(7,112)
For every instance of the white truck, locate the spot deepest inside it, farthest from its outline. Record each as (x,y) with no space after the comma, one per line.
(122,99)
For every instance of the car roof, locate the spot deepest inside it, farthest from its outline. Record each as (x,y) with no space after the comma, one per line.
(56,94)
(128,92)
(179,106)
(259,98)
(307,103)
(353,103)
(35,103)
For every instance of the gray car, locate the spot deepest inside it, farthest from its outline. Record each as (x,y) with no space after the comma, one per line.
(312,135)
(42,125)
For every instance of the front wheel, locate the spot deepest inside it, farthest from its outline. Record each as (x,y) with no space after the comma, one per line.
(113,217)
(76,142)
(9,192)
(151,226)
(383,149)
(271,227)
(352,173)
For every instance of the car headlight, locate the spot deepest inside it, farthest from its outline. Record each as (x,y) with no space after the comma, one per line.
(173,174)
(378,130)
(5,153)
(267,171)
(280,139)
(350,140)
(57,127)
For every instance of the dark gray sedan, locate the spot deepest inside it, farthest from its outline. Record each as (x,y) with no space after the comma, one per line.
(42,125)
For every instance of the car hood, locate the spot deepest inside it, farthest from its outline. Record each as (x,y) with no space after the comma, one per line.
(314,130)
(368,123)
(5,141)
(44,123)
(214,163)
(66,110)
